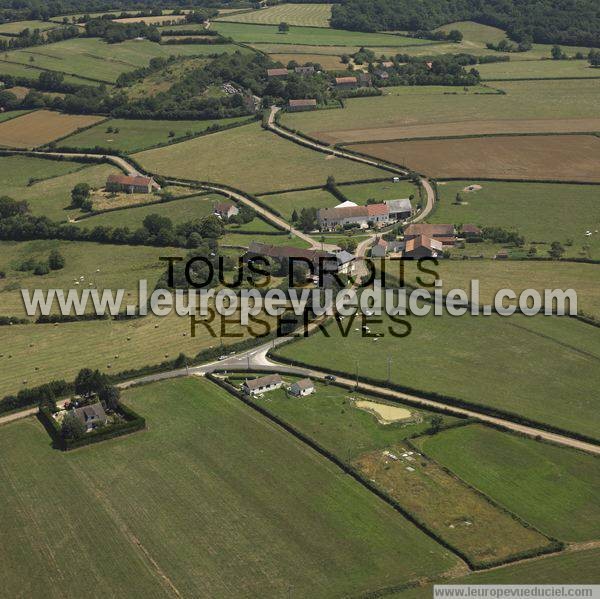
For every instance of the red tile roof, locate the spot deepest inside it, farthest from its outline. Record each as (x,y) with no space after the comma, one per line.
(378,209)
(311,102)
(342,80)
(277,72)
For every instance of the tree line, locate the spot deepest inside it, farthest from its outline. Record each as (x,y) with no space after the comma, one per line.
(543,21)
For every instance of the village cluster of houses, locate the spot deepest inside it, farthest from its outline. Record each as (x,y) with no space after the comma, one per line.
(372,215)
(271,382)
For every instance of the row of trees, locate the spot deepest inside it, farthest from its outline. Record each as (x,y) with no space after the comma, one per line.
(35,37)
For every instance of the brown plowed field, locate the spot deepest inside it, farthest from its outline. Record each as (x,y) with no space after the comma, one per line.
(552,157)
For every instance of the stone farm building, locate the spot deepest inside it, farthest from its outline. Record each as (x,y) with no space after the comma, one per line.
(305,70)
(262,384)
(131,184)
(445,234)
(301,105)
(91,416)
(378,215)
(274,73)
(422,247)
(346,82)
(302,388)
(226,210)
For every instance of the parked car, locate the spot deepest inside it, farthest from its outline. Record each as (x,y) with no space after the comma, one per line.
(329,377)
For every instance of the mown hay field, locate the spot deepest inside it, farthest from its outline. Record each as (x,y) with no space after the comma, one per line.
(223,513)
(47,184)
(37,353)
(41,127)
(253,160)
(158,20)
(17,26)
(361,193)
(102,265)
(542,212)
(286,203)
(548,157)
(96,59)
(131,135)
(454,112)
(553,488)
(471,358)
(308,15)
(311,36)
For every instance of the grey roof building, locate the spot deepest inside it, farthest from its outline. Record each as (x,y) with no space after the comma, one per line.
(91,416)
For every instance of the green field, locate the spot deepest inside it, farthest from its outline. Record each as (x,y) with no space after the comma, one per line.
(380,191)
(308,15)
(537,69)
(578,567)
(223,513)
(251,159)
(120,267)
(17,26)
(244,240)
(331,418)
(286,203)
(12,114)
(51,195)
(137,135)
(469,358)
(518,275)
(28,70)
(313,36)
(424,112)
(541,212)
(553,488)
(94,58)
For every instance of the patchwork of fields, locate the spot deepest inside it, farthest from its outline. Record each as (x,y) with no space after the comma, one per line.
(450,109)
(251,159)
(464,362)
(302,531)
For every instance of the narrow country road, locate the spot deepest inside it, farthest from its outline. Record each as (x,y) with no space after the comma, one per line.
(299,139)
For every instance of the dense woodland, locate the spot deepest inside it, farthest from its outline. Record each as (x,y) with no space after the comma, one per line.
(574,22)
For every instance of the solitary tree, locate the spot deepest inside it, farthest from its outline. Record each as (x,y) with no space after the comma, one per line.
(283,27)
(72,427)
(79,194)
(556,250)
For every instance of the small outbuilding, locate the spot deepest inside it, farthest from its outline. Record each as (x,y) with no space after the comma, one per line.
(302,105)
(302,388)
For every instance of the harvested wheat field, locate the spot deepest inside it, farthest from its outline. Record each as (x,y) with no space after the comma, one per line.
(460,129)
(41,127)
(546,157)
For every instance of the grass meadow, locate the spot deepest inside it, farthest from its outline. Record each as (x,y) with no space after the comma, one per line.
(310,36)
(96,59)
(526,106)
(17,26)
(223,513)
(137,135)
(40,127)
(50,195)
(547,157)
(538,69)
(120,267)
(541,212)
(518,275)
(251,159)
(469,358)
(286,203)
(576,567)
(307,15)
(11,114)
(551,487)
(381,191)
